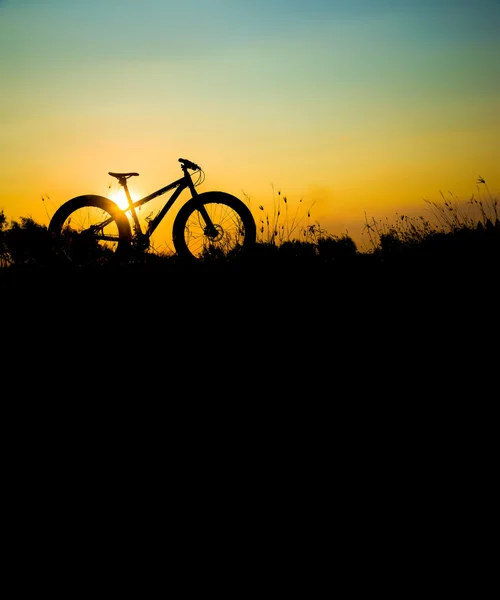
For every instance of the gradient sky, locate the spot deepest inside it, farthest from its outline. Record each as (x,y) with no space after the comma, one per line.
(348,107)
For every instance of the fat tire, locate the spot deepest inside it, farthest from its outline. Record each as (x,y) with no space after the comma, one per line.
(58,219)
(182,218)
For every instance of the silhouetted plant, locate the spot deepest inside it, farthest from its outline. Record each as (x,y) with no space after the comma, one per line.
(406,231)
(283,225)
(297,249)
(336,248)
(5,257)
(27,242)
(458,228)
(453,215)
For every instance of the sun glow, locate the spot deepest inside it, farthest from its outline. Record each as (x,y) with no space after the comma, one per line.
(118,195)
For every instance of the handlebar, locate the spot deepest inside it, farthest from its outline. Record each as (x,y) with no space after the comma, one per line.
(187,164)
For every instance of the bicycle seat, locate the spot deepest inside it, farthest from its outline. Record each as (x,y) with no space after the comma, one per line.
(121,175)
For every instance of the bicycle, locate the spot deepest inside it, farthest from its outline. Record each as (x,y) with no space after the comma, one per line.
(92,229)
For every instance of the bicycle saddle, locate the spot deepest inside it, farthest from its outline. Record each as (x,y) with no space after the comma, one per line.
(120,175)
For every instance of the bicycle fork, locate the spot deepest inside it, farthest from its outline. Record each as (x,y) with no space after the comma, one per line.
(210,229)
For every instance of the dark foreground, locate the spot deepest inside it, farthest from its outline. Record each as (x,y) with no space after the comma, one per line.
(268,288)
(331,360)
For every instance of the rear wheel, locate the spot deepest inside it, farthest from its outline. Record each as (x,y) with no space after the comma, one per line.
(234,231)
(90,230)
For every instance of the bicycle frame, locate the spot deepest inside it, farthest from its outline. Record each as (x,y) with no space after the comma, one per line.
(185,182)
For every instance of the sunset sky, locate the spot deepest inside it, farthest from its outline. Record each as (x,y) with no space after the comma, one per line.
(348,107)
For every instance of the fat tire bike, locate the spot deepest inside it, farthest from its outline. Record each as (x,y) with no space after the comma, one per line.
(92,229)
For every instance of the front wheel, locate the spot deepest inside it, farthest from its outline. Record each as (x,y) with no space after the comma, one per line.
(90,230)
(231,229)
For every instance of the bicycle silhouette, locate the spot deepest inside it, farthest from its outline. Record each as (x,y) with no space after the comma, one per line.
(93,229)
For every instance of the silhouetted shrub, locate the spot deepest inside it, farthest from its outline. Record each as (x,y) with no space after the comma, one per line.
(5,258)
(336,248)
(27,242)
(296,249)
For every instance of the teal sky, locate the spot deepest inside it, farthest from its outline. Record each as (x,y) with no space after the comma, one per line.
(354,105)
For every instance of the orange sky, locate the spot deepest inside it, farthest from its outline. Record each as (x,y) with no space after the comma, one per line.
(347,108)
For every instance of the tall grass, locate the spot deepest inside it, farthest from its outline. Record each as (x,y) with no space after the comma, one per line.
(285,224)
(290,232)
(453,214)
(451,217)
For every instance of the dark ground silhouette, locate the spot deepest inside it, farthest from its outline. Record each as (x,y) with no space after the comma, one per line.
(300,293)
